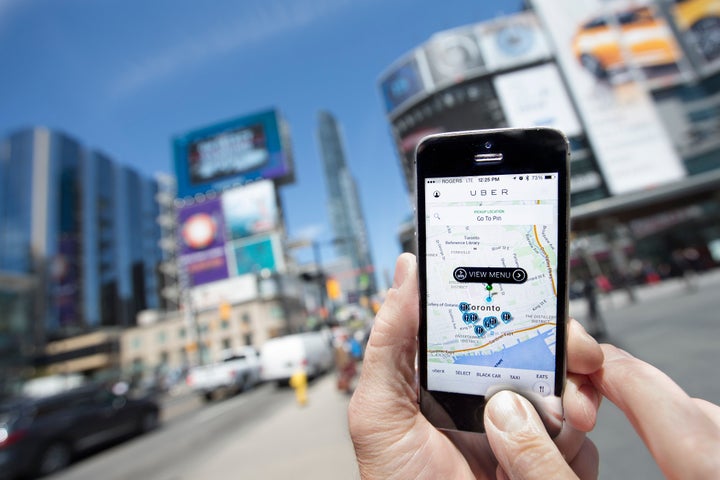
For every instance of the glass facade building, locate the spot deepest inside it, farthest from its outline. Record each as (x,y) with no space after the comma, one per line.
(346,216)
(79,242)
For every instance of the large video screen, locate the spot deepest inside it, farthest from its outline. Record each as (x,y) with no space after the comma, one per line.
(202,242)
(227,154)
(232,153)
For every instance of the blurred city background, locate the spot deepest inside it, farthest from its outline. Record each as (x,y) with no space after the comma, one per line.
(196,202)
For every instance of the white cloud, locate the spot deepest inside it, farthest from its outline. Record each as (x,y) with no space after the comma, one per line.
(309,233)
(267,20)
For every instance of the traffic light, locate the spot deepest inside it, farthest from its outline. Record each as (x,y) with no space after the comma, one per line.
(333,288)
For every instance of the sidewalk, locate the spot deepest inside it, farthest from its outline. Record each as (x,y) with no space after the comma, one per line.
(310,442)
(618,299)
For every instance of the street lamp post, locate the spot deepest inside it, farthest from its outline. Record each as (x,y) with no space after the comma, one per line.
(319,277)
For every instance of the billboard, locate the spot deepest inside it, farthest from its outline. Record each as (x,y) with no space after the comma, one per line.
(202,242)
(232,153)
(232,290)
(511,41)
(403,82)
(250,209)
(536,97)
(453,56)
(698,25)
(608,63)
(258,253)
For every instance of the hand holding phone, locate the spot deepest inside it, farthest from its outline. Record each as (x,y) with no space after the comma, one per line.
(393,439)
(492,217)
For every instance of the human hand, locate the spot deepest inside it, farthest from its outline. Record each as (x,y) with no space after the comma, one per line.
(393,439)
(681,433)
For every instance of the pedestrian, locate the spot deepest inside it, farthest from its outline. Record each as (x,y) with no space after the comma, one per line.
(596,324)
(344,363)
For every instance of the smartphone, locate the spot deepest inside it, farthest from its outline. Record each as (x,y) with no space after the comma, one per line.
(492,231)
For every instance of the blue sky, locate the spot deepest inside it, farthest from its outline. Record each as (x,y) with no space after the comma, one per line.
(124,77)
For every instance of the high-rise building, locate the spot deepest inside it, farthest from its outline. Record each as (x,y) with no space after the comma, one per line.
(79,241)
(641,118)
(346,216)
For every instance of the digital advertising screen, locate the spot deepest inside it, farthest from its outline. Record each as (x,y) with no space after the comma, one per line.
(604,53)
(254,254)
(202,242)
(453,56)
(250,209)
(231,153)
(513,40)
(698,24)
(402,83)
(537,97)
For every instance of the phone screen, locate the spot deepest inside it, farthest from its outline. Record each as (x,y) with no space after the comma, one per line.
(491,260)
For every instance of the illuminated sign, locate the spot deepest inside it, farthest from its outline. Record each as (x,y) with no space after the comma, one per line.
(250,209)
(202,251)
(402,83)
(232,153)
(633,150)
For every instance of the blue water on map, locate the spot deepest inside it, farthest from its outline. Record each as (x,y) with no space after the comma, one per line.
(532,354)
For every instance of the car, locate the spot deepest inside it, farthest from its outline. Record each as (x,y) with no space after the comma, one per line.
(700,21)
(644,36)
(40,436)
(281,357)
(238,371)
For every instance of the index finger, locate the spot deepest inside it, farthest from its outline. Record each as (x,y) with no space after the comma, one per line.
(680,436)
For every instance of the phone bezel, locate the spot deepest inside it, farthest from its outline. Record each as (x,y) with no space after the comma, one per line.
(524,151)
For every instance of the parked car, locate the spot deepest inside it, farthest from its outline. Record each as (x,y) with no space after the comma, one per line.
(40,436)
(282,356)
(238,371)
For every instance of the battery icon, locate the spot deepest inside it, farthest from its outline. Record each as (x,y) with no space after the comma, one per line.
(548,177)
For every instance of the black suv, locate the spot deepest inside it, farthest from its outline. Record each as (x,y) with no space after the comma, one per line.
(40,436)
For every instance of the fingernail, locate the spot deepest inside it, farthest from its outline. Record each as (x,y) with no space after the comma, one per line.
(507,412)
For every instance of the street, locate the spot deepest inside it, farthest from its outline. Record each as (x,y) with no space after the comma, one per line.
(677,331)
(264,434)
(258,434)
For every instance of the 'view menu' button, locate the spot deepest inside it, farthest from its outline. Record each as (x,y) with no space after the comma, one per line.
(490,275)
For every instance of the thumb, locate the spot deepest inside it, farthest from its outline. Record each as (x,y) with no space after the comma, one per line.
(388,372)
(519,441)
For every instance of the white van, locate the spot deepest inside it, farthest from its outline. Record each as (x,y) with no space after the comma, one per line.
(281,357)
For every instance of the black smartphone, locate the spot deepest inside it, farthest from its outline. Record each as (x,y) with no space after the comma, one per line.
(492,231)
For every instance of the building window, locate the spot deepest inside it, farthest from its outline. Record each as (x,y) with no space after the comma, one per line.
(245,329)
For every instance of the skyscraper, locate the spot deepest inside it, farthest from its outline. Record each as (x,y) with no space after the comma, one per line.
(346,216)
(80,230)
